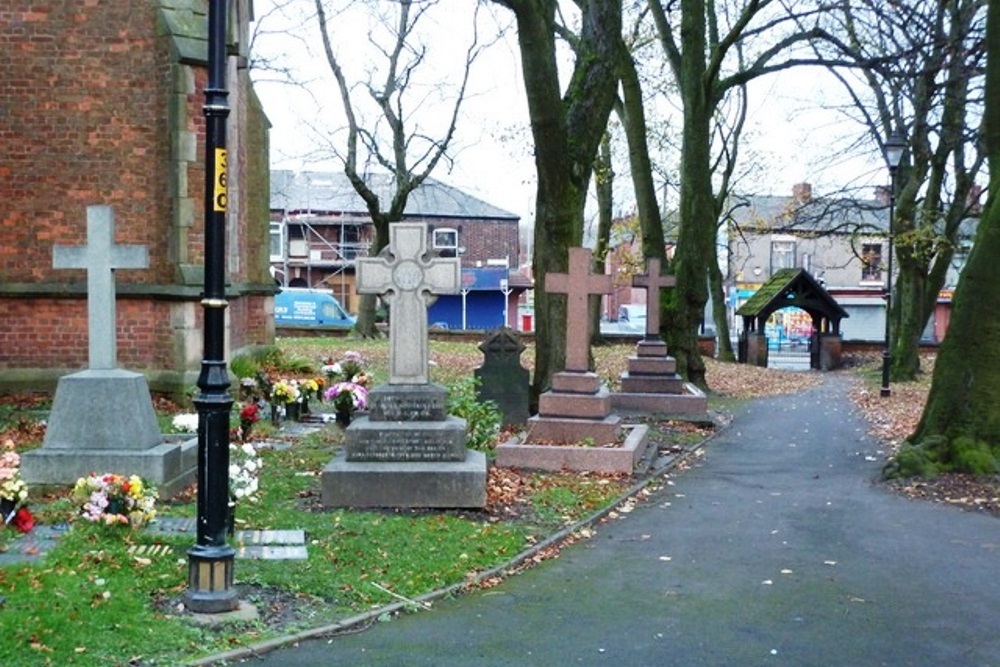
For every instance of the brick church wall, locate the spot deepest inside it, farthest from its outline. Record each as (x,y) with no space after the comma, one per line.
(101,105)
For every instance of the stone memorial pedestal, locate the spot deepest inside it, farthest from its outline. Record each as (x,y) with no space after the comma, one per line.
(651,384)
(103,421)
(408,452)
(576,430)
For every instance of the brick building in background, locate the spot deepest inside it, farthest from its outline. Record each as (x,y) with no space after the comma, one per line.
(101,103)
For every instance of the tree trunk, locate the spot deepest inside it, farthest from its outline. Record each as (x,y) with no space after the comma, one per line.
(633,117)
(724,346)
(604,187)
(696,223)
(566,131)
(959,426)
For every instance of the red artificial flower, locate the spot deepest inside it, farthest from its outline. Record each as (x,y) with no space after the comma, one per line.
(249,413)
(23,521)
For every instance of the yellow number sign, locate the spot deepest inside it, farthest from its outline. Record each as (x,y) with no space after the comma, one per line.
(220,194)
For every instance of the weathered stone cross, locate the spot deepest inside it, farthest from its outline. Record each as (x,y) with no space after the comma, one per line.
(100,257)
(578,285)
(408,280)
(652,280)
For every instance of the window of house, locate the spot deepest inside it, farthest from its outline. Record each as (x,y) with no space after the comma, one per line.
(446,241)
(871,262)
(277,245)
(782,255)
(445,238)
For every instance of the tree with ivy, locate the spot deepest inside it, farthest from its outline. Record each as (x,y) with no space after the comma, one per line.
(960,426)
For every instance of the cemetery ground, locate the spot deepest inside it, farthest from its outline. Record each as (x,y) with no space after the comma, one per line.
(111,596)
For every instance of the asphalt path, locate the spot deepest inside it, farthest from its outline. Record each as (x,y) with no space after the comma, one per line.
(777,548)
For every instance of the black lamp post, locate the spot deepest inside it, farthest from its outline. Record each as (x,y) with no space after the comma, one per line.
(210,561)
(894,147)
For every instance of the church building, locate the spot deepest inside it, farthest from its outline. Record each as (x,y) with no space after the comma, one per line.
(101,104)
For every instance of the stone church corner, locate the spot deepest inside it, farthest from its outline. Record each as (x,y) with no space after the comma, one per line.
(101,104)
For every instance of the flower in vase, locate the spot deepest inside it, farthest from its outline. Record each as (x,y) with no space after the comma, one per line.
(113,499)
(347,396)
(12,487)
(249,416)
(286,391)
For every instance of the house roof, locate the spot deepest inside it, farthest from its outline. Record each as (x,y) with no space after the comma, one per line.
(331,192)
(845,215)
(821,214)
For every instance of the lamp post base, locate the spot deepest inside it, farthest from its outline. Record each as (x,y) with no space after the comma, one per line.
(886,364)
(210,580)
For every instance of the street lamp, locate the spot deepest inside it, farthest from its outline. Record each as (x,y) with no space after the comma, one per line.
(893,148)
(210,560)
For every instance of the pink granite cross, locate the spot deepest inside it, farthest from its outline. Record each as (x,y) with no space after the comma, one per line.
(652,280)
(577,285)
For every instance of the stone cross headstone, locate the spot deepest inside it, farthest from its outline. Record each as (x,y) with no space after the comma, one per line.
(100,257)
(502,379)
(102,418)
(407,451)
(653,281)
(578,285)
(408,279)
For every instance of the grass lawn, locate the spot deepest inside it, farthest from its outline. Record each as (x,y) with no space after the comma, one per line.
(113,596)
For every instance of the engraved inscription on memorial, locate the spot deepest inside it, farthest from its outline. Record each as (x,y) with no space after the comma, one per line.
(409,446)
(421,406)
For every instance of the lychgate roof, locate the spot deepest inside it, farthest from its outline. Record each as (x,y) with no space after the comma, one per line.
(791,287)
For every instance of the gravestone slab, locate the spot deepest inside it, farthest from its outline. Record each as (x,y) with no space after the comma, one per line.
(102,418)
(651,383)
(408,451)
(502,379)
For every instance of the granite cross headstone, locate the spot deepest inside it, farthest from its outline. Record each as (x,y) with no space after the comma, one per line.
(577,285)
(100,257)
(653,281)
(408,279)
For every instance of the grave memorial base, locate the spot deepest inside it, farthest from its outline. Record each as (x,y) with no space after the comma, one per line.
(103,421)
(651,384)
(408,452)
(575,429)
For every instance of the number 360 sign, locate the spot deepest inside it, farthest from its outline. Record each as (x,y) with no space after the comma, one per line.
(219,194)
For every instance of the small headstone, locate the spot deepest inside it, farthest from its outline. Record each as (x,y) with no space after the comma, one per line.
(502,379)
(102,419)
(651,383)
(408,452)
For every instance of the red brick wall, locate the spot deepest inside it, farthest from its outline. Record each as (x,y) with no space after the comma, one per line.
(83,122)
(95,110)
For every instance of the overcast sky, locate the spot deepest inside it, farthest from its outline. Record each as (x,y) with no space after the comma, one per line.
(790,136)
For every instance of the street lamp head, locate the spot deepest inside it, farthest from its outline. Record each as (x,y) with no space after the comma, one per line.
(894,147)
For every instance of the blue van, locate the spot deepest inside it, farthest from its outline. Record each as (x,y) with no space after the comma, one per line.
(299,307)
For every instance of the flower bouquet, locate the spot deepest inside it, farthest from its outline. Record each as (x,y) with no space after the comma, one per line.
(244,471)
(185,422)
(249,416)
(114,500)
(13,490)
(286,391)
(346,398)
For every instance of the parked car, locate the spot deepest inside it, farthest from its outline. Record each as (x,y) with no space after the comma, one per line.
(299,307)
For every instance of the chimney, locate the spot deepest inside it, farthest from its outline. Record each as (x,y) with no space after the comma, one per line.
(973,201)
(883,194)
(802,192)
